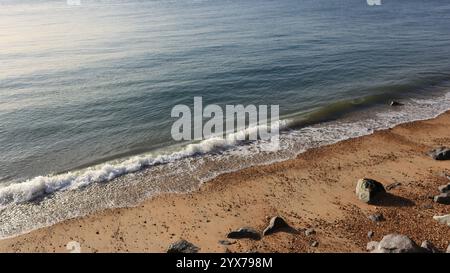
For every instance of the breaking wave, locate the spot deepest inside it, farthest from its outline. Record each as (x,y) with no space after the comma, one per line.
(43,185)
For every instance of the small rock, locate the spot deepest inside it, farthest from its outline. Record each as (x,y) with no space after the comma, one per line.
(442,153)
(396,243)
(368,189)
(276,223)
(182,246)
(370,234)
(226,242)
(444,219)
(314,244)
(377,217)
(429,247)
(448,249)
(396,103)
(371,246)
(444,188)
(393,186)
(427,206)
(244,233)
(443,198)
(310,231)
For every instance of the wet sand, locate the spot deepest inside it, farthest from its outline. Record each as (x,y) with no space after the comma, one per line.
(316,189)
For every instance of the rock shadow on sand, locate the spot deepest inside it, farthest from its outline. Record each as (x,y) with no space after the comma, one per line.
(387,199)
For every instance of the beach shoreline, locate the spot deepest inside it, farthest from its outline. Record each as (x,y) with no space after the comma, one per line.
(314,190)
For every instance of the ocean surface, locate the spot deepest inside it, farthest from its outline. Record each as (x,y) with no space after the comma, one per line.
(86,91)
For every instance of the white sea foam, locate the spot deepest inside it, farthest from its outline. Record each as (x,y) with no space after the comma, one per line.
(42,185)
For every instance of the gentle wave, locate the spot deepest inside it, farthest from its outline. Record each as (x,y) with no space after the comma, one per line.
(105,172)
(43,185)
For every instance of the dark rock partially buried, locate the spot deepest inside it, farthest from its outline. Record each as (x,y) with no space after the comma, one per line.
(244,233)
(182,246)
(276,224)
(441,153)
(367,190)
(443,198)
(377,217)
(444,188)
(396,103)
(429,247)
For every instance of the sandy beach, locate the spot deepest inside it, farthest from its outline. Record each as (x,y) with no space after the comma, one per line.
(315,190)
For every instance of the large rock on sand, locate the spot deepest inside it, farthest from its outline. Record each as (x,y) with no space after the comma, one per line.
(442,153)
(182,246)
(368,189)
(276,224)
(244,233)
(395,243)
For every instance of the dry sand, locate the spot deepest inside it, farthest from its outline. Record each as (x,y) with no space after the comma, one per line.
(317,189)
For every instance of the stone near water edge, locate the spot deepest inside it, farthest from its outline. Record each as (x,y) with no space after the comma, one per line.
(429,247)
(275,224)
(368,189)
(397,243)
(376,217)
(443,219)
(443,198)
(310,231)
(182,246)
(371,246)
(441,153)
(244,233)
(444,188)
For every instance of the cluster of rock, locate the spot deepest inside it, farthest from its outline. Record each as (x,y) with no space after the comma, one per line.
(276,224)
(443,198)
(368,191)
(444,195)
(397,243)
